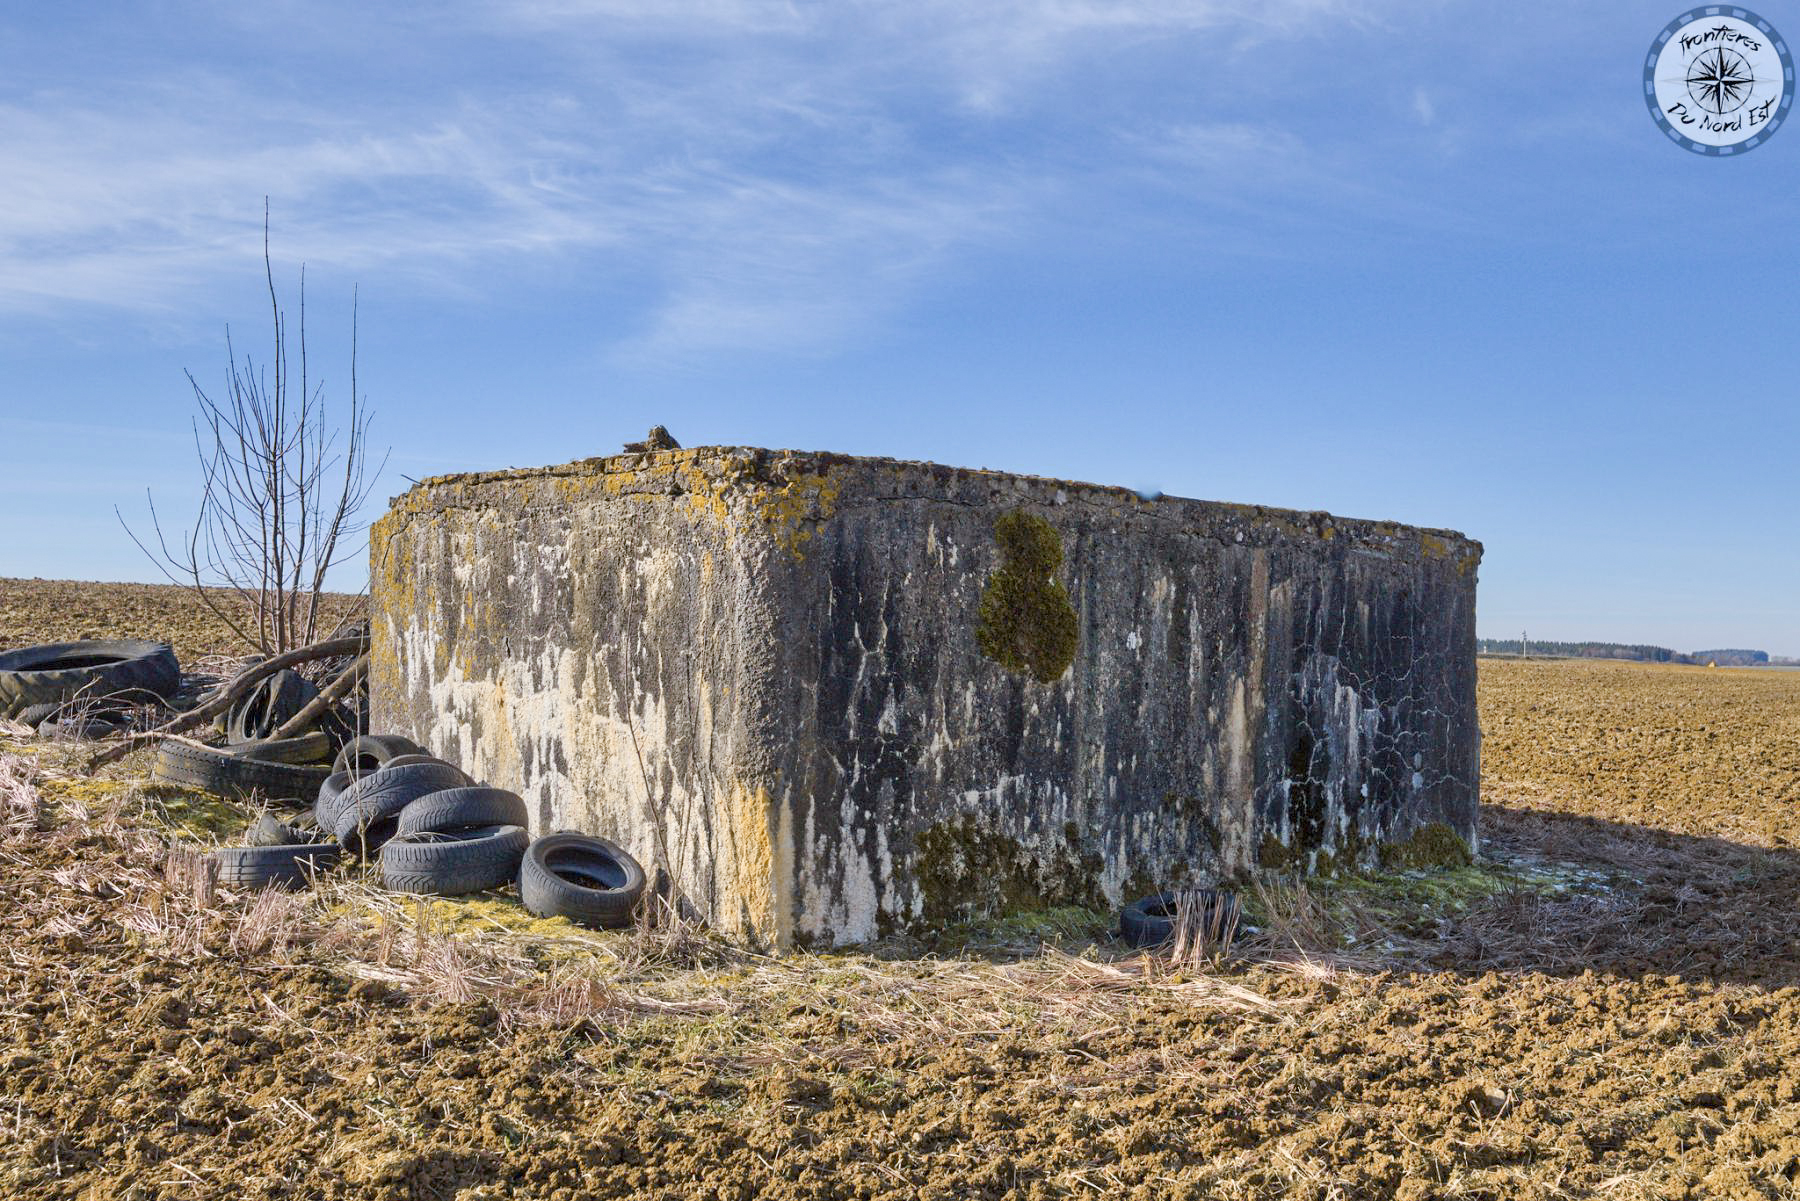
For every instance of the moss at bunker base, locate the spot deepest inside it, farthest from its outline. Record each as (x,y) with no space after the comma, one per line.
(1275,855)
(967,870)
(1432,845)
(1027,624)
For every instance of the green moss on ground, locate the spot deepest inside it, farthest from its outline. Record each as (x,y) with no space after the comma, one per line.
(200,816)
(1027,930)
(1409,902)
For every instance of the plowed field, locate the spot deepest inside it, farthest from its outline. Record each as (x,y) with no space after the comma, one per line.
(1606,1006)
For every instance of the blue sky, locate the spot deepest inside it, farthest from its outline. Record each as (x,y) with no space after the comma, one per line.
(1424,261)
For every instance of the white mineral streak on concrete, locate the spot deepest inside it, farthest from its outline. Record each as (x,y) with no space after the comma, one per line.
(1240,771)
(854,903)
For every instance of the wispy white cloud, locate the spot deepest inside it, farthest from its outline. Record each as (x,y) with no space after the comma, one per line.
(998,53)
(1423,107)
(815,263)
(133,208)
(777,174)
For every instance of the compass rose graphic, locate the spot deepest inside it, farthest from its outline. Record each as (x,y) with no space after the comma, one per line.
(1719,80)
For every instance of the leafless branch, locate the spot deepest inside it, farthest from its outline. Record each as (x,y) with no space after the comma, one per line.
(314,709)
(242,683)
(280,491)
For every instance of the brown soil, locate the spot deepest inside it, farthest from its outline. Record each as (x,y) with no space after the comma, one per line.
(34,611)
(1703,751)
(1636,1034)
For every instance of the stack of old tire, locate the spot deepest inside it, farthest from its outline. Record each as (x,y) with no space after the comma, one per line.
(252,762)
(437,832)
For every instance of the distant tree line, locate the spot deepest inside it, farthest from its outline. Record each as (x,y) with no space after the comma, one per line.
(1731,658)
(1728,657)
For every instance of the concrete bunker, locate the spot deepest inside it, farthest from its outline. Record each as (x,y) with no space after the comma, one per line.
(826,697)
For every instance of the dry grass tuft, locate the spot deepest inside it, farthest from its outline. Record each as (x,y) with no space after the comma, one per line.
(1206,922)
(272,924)
(1298,927)
(20,805)
(663,935)
(193,875)
(1145,974)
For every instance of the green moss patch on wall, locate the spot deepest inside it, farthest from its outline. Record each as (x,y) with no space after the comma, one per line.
(1431,845)
(1026,623)
(1274,855)
(966,870)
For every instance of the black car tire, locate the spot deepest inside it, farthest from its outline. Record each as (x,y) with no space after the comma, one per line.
(283,867)
(227,775)
(312,749)
(261,711)
(1150,921)
(588,880)
(422,757)
(83,727)
(325,808)
(270,831)
(449,864)
(455,808)
(368,811)
(365,753)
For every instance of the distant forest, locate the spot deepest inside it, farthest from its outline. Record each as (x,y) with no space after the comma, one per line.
(1724,657)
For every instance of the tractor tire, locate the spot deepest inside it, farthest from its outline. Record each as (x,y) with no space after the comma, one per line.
(126,669)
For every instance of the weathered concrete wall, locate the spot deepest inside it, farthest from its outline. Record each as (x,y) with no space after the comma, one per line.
(829,696)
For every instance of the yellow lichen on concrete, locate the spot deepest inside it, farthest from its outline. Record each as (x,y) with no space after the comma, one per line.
(762,864)
(706,494)
(793,510)
(392,589)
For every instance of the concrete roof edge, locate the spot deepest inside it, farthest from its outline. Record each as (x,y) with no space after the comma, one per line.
(632,461)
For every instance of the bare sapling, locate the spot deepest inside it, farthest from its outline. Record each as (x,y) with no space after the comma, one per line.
(281,490)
